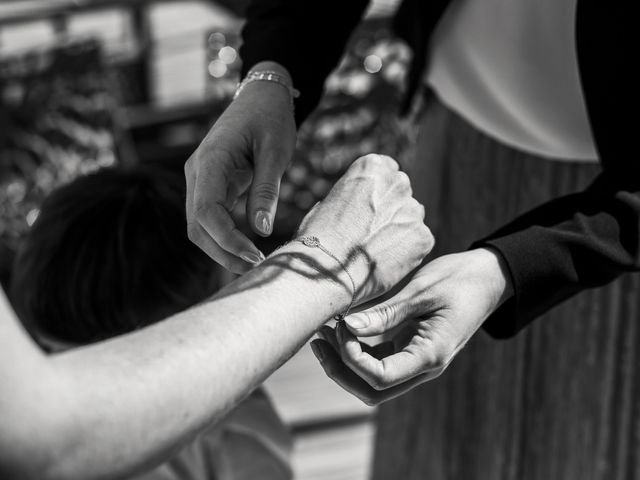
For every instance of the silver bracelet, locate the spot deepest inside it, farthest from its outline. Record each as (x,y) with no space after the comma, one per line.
(314,242)
(267,76)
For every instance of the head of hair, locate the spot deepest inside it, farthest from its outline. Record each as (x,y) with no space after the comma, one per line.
(108,254)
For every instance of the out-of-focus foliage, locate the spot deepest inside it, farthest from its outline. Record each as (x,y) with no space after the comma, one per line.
(56,122)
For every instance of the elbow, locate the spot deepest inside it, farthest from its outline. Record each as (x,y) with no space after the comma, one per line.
(40,445)
(40,461)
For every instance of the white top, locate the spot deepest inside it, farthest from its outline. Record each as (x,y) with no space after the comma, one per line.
(510,68)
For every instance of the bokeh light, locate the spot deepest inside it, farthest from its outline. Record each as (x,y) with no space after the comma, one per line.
(32,216)
(217,40)
(217,68)
(372,63)
(228,54)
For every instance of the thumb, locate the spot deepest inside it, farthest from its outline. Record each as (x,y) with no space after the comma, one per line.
(382,317)
(263,194)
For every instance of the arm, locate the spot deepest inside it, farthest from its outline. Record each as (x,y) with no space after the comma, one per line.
(587,239)
(115,408)
(108,410)
(572,243)
(252,143)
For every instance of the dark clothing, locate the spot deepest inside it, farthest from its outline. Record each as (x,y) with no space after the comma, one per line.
(564,246)
(560,401)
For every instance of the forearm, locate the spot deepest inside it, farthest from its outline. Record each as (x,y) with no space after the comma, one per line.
(132,400)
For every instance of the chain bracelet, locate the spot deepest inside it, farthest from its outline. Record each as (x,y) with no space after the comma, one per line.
(267,76)
(314,242)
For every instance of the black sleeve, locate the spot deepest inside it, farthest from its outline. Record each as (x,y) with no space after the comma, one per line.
(572,243)
(308,38)
(589,238)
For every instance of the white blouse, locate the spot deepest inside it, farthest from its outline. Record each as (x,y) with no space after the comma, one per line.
(510,68)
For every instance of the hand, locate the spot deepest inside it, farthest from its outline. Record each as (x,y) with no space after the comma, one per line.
(370,221)
(433,316)
(249,147)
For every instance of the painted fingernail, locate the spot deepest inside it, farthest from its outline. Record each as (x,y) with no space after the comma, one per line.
(252,257)
(357,321)
(263,221)
(317,352)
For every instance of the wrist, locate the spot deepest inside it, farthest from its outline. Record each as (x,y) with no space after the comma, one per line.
(318,273)
(495,274)
(268,75)
(274,67)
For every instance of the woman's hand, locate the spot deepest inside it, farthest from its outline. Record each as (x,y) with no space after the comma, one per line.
(249,147)
(371,223)
(432,317)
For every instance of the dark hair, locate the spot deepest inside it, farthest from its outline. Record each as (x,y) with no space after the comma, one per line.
(108,254)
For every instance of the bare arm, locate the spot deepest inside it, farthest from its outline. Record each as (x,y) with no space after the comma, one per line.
(116,403)
(112,409)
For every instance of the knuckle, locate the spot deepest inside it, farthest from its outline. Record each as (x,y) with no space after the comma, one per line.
(416,209)
(265,191)
(193,233)
(380,382)
(200,209)
(374,160)
(437,358)
(428,238)
(403,179)
(388,161)
(386,315)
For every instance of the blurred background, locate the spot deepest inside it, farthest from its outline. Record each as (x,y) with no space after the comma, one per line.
(89,84)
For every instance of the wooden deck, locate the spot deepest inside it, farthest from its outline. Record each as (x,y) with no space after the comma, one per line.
(333,430)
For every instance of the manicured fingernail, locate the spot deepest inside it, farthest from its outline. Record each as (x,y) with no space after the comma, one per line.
(263,222)
(357,321)
(252,257)
(317,351)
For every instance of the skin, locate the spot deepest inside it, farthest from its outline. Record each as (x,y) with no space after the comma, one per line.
(433,316)
(116,408)
(247,150)
(452,296)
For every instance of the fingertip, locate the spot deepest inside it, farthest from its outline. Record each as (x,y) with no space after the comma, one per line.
(254,258)
(263,222)
(322,334)
(317,350)
(357,323)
